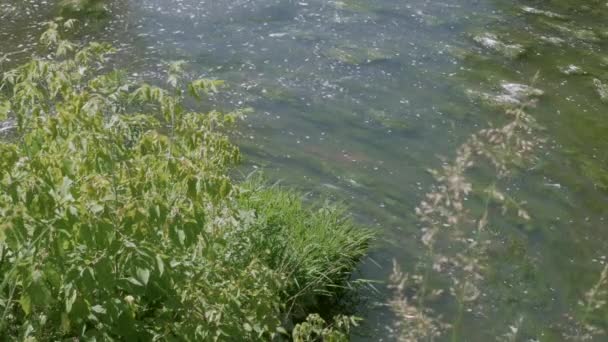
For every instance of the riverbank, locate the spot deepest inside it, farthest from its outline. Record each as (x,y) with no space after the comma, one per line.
(119,220)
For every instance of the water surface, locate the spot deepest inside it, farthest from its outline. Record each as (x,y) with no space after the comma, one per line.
(354,100)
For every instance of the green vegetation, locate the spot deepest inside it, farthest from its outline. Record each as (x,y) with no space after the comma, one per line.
(492,42)
(83,7)
(118,220)
(458,273)
(315,328)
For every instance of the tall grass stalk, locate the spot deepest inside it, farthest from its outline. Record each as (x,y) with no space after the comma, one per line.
(592,302)
(455,237)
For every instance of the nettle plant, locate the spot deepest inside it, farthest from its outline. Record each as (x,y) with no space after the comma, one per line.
(118,220)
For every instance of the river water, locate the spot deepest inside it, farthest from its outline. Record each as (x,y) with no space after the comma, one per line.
(355,100)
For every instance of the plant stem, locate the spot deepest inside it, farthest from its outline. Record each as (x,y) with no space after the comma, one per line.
(457,322)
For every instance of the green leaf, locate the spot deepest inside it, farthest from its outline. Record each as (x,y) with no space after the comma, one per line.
(65,322)
(98,309)
(70,301)
(26,304)
(96,208)
(160,264)
(134,281)
(143,275)
(181,236)
(5,108)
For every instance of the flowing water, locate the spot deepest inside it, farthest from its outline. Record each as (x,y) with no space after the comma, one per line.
(356,99)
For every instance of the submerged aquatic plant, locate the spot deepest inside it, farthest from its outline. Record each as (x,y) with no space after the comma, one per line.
(584,327)
(83,7)
(602,89)
(416,321)
(492,42)
(118,220)
(454,236)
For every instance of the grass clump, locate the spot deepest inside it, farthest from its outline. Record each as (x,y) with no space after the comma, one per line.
(316,249)
(118,220)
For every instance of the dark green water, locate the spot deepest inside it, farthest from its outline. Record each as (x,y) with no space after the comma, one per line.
(354,100)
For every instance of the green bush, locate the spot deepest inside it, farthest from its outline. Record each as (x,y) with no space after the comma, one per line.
(118,220)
